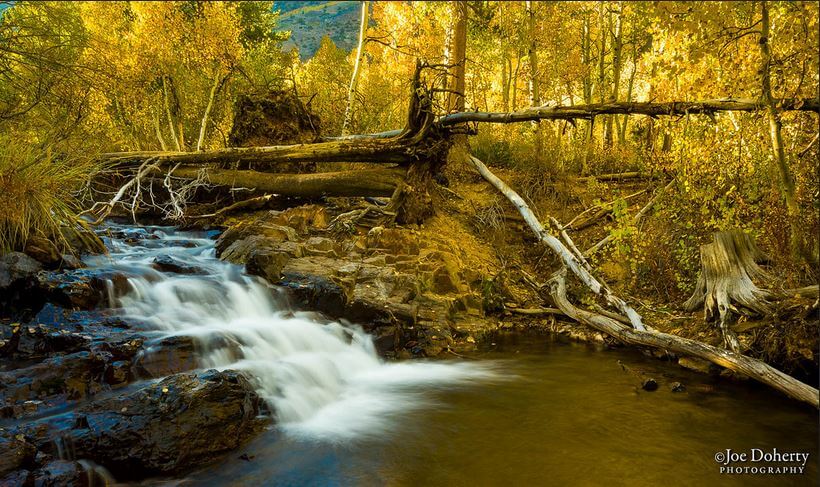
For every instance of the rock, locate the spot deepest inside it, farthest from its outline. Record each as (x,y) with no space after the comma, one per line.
(166,356)
(43,251)
(60,473)
(166,263)
(18,478)
(75,375)
(82,288)
(649,384)
(18,281)
(15,453)
(181,422)
(71,262)
(678,387)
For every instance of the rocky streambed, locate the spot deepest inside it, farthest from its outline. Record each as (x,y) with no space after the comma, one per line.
(185,355)
(158,358)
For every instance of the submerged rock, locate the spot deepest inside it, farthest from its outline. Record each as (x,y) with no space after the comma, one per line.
(166,263)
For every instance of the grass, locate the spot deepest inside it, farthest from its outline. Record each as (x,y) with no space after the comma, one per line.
(38,189)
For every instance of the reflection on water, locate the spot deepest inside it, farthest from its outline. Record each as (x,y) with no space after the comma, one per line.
(571,416)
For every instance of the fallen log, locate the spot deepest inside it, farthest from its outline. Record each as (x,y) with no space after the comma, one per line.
(601,210)
(753,368)
(618,176)
(402,150)
(572,112)
(364,182)
(567,257)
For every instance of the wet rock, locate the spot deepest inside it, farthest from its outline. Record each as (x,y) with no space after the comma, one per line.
(33,341)
(60,473)
(82,288)
(166,263)
(166,356)
(118,373)
(170,426)
(43,251)
(15,453)
(649,384)
(75,376)
(18,478)
(678,387)
(18,282)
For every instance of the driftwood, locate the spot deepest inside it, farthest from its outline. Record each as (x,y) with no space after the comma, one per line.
(573,112)
(748,366)
(726,285)
(567,257)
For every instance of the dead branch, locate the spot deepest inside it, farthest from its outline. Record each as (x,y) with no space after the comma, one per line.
(748,366)
(566,256)
(636,220)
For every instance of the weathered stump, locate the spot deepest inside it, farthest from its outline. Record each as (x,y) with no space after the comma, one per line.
(725,287)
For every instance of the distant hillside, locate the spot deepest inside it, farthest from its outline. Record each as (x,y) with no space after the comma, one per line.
(310,21)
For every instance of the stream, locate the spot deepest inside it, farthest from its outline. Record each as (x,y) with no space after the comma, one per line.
(526,410)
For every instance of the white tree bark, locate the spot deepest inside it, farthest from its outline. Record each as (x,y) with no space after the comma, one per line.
(354,79)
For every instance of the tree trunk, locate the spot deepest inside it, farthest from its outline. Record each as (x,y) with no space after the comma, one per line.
(629,88)
(158,131)
(390,151)
(535,88)
(168,113)
(748,366)
(506,74)
(354,79)
(725,284)
(362,182)
(573,112)
(787,185)
(617,47)
(458,57)
(218,82)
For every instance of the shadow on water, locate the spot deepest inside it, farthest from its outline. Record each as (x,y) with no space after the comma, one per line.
(569,415)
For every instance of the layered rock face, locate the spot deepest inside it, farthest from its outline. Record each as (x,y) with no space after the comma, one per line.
(404,286)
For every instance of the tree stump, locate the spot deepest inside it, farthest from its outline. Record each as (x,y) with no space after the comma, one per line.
(725,287)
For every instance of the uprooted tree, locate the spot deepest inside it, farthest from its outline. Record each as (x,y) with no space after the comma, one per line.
(408,162)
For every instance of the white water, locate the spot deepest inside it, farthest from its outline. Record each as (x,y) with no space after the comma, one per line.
(323,380)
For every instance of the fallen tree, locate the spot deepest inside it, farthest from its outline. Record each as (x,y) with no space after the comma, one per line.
(753,368)
(363,182)
(571,260)
(573,112)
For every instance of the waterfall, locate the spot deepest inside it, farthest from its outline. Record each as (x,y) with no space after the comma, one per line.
(323,380)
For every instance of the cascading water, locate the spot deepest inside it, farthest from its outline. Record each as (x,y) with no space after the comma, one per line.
(323,380)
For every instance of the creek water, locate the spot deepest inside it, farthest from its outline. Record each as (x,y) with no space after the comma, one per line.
(525,411)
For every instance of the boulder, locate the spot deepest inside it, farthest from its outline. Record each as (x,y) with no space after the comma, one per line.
(169,426)
(166,263)
(60,473)
(43,251)
(18,282)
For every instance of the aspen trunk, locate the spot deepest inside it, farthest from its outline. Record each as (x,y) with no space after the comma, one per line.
(354,79)
(168,113)
(535,88)
(204,125)
(787,185)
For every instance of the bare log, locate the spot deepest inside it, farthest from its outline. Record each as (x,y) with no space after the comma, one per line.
(366,182)
(748,366)
(390,151)
(601,210)
(618,176)
(567,257)
(572,112)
